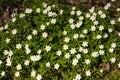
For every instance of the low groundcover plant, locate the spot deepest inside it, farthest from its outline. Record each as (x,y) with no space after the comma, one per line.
(48,43)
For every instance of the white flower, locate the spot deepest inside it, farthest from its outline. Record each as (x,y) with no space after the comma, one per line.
(78,77)
(92,9)
(112,22)
(100,12)
(101,52)
(39,77)
(65,47)
(103,16)
(88,73)
(6,52)
(101,46)
(26,46)
(78,24)
(0,62)
(27,50)
(119,34)
(101,70)
(2,73)
(87,15)
(82,35)
(74,62)
(50,14)
(29,37)
(39,51)
(67,56)
(113,60)
(72,26)
(44,4)
(10,53)
(13,19)
(47,23)
(118,9)
(119,19)
(18,67)
(81,18)
(48,64)
(106,7)
(45,11)
(95,22)
(98,36)
(59,53)
(53,21)
(47,48)
(78,56)
(14,31)
(72,12)
(64,32)
(42,27)
(6,26)
(119,65)
(111,50)
(112,0)
(28,10)
(17,74)
(1,28)
(80,49)
(85,44)
(53,5)
(8,62)
(93,28)
(73,51)
(71,21)
(113,45)
(105,35)
(108,4)
(94,14)
(66,39)
(85,31)
(56,66)
(18,46)
(22,15)
(110,30)
(95,54)
(78,13)
(13,14)
(75,36)
(35,58)
(34,32)
(38,10)
(7,40)
(48,8)
(45,35)
(33,73)
(93,18)
(73,8)
(85,51)
(26,62)
(101,28)
(61,11)
(87,61)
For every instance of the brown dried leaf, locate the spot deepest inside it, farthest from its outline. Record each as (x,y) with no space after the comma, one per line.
(6,15)
(106,67)
(1,22)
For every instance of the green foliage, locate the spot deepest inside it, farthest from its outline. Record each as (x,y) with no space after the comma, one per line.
(85,40)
